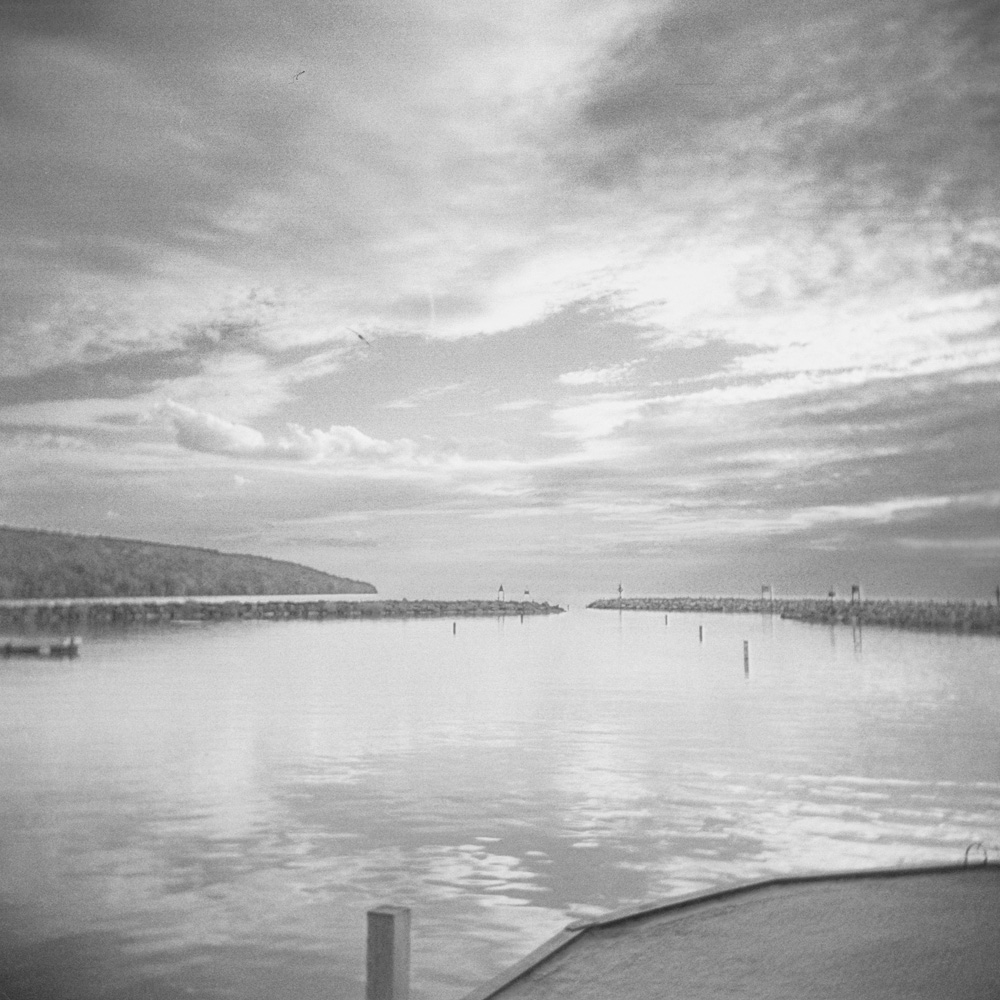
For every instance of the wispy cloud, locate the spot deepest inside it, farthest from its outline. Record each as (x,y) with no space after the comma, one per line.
(517,405)
(425,395)
(326,541)
(598,376)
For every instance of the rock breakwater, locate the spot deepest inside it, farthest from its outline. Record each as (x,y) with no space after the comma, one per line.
(68,614)
(961,616)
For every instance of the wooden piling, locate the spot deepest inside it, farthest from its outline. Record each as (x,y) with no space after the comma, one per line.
(388,965)
(701,633)
(746,657)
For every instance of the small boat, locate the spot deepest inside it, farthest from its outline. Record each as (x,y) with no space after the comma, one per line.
(56,649)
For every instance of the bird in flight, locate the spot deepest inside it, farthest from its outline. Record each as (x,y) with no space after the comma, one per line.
(359,336)
(297,75)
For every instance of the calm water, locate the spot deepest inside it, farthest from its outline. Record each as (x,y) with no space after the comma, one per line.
(208,810)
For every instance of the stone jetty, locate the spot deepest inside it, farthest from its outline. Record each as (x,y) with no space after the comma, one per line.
(66,614)
(958,616)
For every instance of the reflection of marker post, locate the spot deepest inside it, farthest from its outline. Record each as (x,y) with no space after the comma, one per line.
(388,953)
(746,657)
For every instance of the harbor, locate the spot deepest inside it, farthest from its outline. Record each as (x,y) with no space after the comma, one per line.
(211,809)
(515,483)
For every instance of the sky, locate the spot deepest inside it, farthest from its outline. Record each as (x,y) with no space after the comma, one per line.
(443,294)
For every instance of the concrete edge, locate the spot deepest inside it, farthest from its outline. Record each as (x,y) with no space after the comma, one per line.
(545,950)
(580,927)
(712,895)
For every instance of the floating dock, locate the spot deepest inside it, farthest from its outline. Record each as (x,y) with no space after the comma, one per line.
(890,934)
(58,649)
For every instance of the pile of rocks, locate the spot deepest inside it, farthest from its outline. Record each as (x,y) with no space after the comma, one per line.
(963,616)
(66,613)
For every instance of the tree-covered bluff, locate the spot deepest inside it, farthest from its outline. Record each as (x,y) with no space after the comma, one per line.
(40,564)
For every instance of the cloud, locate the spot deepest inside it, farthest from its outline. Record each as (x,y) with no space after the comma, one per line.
(984,548)
(327,541)
(173,168)
(28,441)
(871,104)
(598,376)
(700,167)
(787,210)
(898,509)
(206,432)
(424,395)
(517,405)
(118,394)
(599,417)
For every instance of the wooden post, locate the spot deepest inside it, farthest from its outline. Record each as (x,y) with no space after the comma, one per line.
(454,627)
(701,633)
(388,953)
(665,619)
(746,657)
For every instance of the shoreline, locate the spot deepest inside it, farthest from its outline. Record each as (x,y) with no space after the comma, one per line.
(66,612)
(950,616)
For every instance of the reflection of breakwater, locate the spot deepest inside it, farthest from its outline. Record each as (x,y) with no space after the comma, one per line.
(954,615)
(64,614)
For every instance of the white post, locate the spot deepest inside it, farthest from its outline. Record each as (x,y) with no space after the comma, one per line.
(388,953)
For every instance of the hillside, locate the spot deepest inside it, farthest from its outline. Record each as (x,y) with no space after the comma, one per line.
(52,564)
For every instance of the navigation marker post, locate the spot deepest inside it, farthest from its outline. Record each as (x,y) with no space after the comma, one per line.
(388,961)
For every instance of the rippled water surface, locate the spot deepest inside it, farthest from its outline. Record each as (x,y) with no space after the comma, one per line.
(208,810)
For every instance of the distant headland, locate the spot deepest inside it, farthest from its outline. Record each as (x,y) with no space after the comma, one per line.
(962,616)
(51,564)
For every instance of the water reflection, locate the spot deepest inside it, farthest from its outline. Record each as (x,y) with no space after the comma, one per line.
(210,810)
